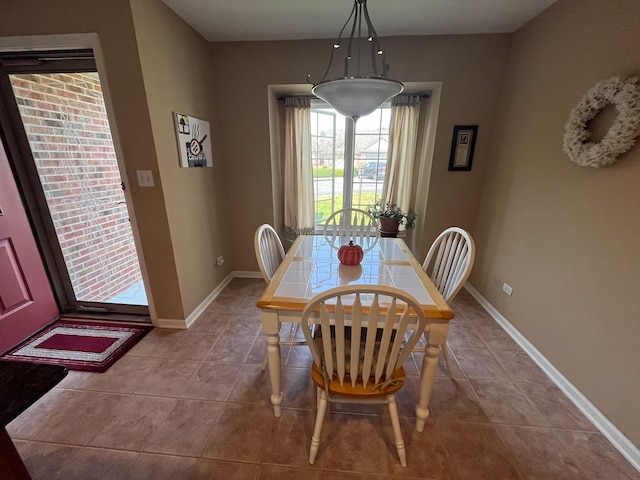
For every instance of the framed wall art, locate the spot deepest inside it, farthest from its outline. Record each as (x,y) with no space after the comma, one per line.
(462,147)
(194,141)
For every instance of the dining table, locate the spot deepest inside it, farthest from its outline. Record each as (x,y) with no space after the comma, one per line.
(311,266)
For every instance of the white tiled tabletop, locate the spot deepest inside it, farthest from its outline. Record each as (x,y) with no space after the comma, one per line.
(315,267)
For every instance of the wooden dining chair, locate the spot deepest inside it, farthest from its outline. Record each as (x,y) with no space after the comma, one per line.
(355,334)
(448,263)
(270,253)
(351,224)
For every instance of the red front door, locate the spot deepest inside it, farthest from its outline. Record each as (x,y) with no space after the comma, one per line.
(26,299)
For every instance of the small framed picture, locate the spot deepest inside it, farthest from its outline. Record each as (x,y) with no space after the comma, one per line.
(462,146)
(194,141)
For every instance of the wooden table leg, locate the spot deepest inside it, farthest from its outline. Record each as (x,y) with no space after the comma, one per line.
(427,377)
(271,327)
(11,465)
(438,331)
(275,362)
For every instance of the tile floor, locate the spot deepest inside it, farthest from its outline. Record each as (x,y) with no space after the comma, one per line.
(195,405)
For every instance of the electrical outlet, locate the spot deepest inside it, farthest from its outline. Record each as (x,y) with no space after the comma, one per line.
(506,288)
(220,260)
(145,178)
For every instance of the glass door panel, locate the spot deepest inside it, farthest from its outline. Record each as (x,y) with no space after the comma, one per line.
(65,121)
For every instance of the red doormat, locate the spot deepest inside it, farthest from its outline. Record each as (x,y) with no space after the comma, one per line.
(87,346)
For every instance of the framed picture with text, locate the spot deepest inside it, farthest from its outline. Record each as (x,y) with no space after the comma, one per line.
(462,146)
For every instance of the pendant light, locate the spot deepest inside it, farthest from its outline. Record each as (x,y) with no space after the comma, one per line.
(356,95)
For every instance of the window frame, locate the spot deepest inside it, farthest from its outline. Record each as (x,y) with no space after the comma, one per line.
(320,107)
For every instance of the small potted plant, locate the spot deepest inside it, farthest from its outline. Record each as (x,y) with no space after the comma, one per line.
(391,217)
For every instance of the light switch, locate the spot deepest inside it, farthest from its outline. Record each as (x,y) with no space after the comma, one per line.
(145,178)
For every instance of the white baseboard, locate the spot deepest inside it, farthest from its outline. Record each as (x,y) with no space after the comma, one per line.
(193,316)
(179,324)
(172,323)
(245,274)
(602,423)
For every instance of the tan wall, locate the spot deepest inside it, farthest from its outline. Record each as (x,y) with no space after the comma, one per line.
(470,68)
(566,237)
(133,134)
(177,69)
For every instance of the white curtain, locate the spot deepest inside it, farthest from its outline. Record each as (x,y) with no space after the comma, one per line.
(298,174)
(422,175)
(403,137)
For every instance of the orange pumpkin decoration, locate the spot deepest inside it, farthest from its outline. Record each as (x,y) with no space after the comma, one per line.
(350,254)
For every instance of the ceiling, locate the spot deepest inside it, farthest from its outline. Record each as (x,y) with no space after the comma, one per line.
(254,20)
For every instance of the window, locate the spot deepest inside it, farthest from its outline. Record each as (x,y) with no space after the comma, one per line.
(348,166)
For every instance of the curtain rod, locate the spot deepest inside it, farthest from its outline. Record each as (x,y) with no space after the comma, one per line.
(313,97)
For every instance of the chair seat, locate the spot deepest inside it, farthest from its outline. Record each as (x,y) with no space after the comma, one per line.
(347,390)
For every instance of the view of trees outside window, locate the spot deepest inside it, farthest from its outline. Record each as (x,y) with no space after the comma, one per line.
(348,165)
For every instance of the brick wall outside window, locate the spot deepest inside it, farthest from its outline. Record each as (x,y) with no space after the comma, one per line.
(67,127)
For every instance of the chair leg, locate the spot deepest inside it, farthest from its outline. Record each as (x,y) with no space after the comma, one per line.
(293,330)
(395,422)
(315,439)
(447,358)
(265,362)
